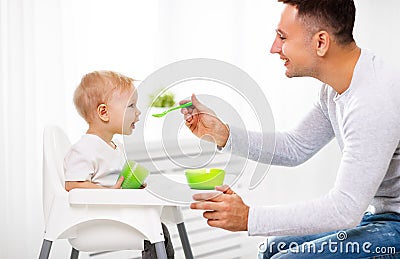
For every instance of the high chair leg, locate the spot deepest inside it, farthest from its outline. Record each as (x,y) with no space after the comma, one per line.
(45,251)
(185,241)
(74,253)
(160,250)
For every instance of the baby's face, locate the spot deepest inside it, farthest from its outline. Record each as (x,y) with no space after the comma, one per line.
(132,113)
(124,113)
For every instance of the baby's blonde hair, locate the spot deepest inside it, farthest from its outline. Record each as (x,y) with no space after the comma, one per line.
(96,88)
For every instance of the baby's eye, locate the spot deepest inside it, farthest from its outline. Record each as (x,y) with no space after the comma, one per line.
(131,105)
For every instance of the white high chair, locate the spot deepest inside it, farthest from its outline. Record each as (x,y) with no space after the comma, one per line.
(100,219)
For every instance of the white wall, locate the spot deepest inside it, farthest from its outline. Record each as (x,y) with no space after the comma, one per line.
(47,45)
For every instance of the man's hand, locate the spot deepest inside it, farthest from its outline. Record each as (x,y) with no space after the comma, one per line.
(226,210)
(204,123)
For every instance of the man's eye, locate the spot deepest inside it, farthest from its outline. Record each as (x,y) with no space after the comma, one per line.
(280,36)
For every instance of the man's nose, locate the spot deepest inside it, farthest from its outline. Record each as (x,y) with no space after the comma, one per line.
(276,47)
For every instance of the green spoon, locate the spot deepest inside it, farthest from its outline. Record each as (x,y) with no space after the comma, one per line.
(159,115)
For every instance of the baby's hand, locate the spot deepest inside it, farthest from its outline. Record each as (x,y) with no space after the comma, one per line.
(118,184)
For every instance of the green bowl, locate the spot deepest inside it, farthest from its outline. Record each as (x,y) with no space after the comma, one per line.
(205,179)
(134,175)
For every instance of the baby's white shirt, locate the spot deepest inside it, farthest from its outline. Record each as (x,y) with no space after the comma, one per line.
(92,159)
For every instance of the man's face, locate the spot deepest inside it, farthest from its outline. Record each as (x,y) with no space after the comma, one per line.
(293,43)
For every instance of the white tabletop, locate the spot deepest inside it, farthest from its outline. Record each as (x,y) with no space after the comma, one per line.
(166,190)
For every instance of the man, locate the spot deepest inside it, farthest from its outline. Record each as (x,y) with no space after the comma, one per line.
(359,104)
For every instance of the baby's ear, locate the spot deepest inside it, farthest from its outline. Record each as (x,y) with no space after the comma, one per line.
(102,111)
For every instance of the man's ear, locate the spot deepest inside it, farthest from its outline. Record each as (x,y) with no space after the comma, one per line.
(102,111)
(323,42)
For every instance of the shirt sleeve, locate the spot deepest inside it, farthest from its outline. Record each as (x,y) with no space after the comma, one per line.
(77,167)
(290,148)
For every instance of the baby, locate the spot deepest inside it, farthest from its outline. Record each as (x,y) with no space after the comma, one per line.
(107,101)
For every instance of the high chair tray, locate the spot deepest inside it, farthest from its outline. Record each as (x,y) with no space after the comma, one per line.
(136,196)
(115,197)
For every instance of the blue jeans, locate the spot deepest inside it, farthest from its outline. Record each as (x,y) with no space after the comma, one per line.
(377,236)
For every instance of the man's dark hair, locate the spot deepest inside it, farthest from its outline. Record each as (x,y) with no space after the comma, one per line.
(335,16)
